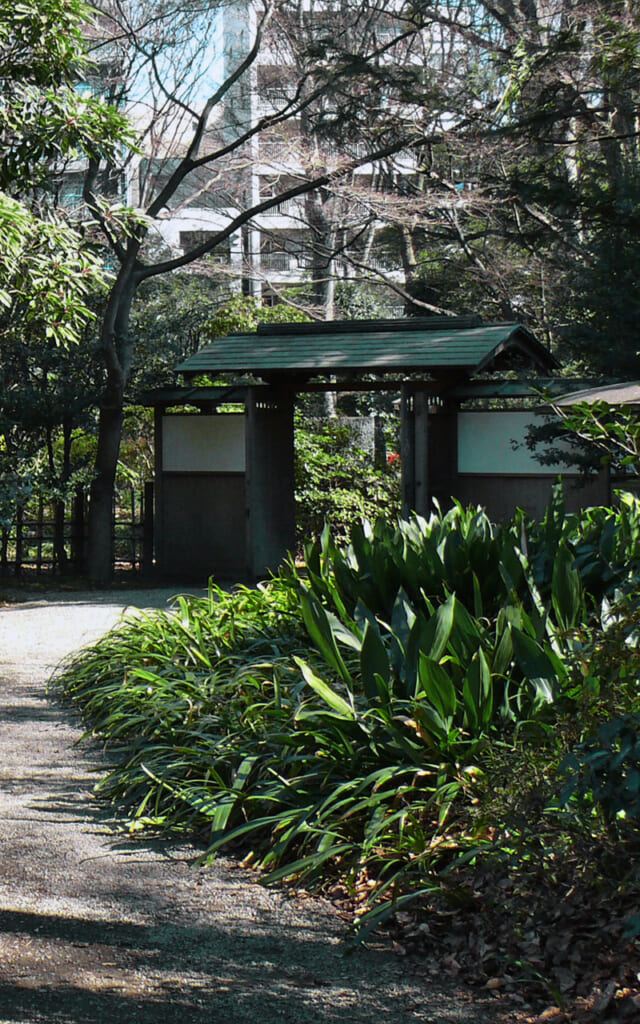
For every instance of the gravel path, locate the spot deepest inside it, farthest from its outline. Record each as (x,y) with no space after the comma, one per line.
(95,929)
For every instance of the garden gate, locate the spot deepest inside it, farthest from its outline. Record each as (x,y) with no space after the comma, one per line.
(225,503)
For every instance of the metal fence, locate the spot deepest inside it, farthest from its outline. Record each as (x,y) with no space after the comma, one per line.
(50,538)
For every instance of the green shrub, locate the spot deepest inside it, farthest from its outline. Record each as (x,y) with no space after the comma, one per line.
(332,719)
(605,543)
(337,483)
(605,770)
(459,552)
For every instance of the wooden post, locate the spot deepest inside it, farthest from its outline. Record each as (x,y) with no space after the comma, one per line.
(39,536)
(147,529)
(443,453)
(270,508)
(422,482)
(158,494)
(4,549)
(59,549)
(19,527)
(78,531)
(134,539)
(407,450)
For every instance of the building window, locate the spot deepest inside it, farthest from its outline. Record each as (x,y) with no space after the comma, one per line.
(194,239)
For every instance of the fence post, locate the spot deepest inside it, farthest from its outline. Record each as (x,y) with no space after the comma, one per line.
(19,521)
(147,529)
(59,550)
(39,534)
(77,531)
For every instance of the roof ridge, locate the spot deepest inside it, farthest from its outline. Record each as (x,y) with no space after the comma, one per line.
(430,323)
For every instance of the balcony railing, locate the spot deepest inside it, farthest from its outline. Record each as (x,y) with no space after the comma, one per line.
(386,262)
(287,208)
(289,262)
(284,262)
(293,151)
(279,151)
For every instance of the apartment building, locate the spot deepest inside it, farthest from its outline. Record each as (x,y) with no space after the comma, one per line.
(315,240)
(272,142)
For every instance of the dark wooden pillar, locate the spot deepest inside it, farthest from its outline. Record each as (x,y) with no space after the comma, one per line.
(78,531)
(271,522)
(422,462)
(443,453)
(147,529)
(407,450)
(159,496)
(428,449)
(415,451)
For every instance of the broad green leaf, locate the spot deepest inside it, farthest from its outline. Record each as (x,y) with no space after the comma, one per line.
(320,631)
(342,634)
(374,662)
(535,663)
(466,635)
(431,724)
(228,801)
(477,598)
(420,639)
(403,617)
(437,686)
(329,696)
(503,650)
(477,693)
(566,590)
(444,618)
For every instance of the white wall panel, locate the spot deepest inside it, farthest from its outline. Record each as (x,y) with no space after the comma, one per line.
(203,444)
(485,444)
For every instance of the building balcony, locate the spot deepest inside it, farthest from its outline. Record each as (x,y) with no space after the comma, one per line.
(284,262)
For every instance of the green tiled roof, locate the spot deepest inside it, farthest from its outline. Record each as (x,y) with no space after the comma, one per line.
(620,393)
(193,396)
(376,347)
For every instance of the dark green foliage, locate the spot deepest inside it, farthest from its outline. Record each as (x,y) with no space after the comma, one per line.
(241,314)
(453,677)
(334,719)
(605,543)
(169,320)
(47,394)
(338,483)
(343,718)
(605,769)
(357,300)
(47,271)
(604,327)
(459,551)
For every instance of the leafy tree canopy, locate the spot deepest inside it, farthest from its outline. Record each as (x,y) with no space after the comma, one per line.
(244,313)
(46,270)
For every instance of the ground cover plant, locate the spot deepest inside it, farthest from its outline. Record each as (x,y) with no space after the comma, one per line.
(436,722)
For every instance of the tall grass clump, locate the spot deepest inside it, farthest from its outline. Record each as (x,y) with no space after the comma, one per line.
(605,543)
(337,719)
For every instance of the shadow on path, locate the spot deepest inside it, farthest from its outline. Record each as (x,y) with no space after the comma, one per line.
(99,928)
(192,973)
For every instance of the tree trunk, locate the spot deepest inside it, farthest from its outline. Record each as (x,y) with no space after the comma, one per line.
(100,546)
(322,241)
(59,554)
(117,350)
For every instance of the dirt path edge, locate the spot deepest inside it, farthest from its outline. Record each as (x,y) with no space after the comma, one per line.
(97,928)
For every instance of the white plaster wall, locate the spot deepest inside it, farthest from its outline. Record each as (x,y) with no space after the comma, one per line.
(204,444)
(485,444)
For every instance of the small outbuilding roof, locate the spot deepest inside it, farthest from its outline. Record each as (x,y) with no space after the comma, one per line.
(375,346)
(205,396)
(622,393)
